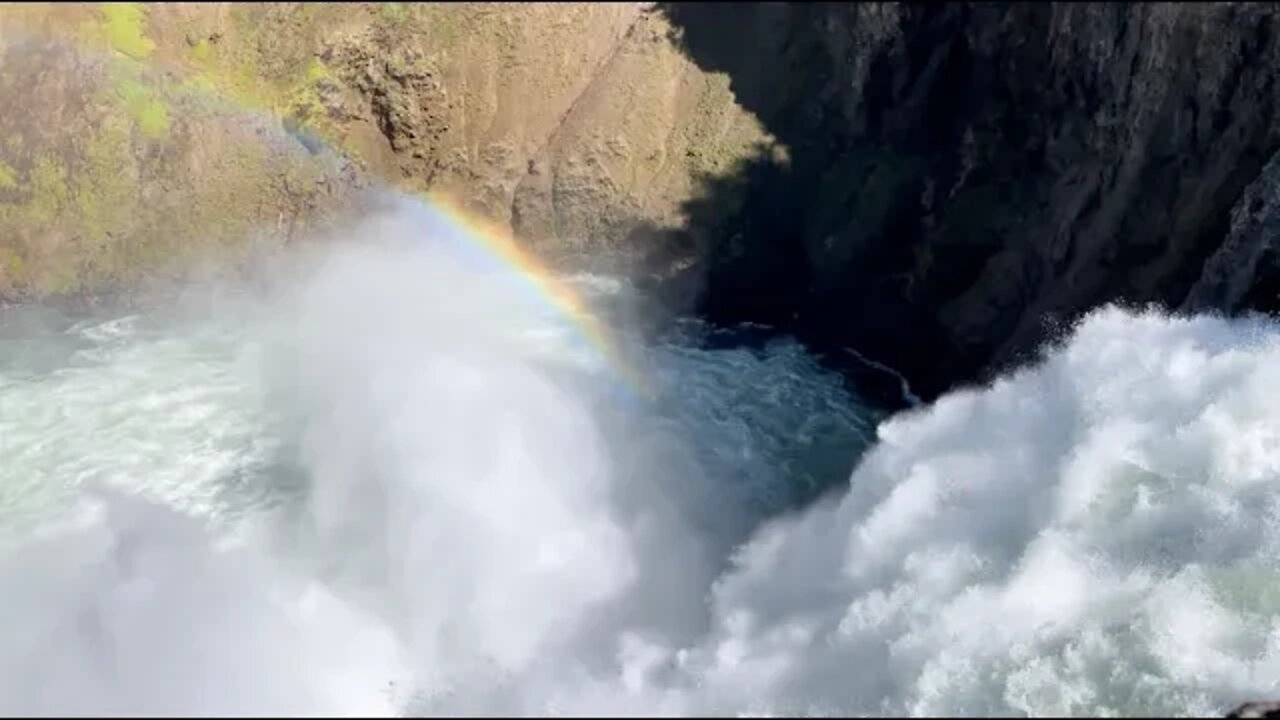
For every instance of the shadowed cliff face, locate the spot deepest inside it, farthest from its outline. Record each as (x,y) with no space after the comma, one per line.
(935,186)
(963,177)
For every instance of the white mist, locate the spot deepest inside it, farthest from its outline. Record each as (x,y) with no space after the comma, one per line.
(395,482)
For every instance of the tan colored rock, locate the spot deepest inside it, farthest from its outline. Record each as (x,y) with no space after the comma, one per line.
(109,173)
(572,122)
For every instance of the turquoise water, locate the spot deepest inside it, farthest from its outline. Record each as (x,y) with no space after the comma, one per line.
(386,485)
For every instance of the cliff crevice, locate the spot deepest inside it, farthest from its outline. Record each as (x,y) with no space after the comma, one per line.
(966,177)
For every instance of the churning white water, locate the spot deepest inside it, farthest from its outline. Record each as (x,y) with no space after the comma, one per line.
(392,483)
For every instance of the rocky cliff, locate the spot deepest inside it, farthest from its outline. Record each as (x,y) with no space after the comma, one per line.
(961,177)
(937,186)
(136,134)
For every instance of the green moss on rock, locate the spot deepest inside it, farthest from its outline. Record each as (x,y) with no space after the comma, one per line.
(122,23)
(49,194)
(13,266)
(202,52)
(145,107)
(394,12)
(103,187)
(8,177)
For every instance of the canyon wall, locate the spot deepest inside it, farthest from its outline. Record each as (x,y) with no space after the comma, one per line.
(136,136)
(964,178)
(938,186)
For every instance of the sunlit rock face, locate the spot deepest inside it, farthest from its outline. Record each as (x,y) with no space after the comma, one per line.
(130,125)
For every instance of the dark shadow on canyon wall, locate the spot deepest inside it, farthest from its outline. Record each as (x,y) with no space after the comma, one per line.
(954,181)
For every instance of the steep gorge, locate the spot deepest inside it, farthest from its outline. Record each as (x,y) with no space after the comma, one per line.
(965,178)
(934,187)
(939,187)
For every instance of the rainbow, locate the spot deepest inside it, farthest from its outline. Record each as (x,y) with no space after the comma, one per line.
(499,244)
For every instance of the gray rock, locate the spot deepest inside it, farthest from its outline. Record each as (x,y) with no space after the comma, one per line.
(965,177)
(1256,710)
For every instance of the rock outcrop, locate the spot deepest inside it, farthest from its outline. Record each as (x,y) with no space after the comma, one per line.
(573,123)
(109,174)
(1244,271)
(1256,710)
(963,177)
(938,186)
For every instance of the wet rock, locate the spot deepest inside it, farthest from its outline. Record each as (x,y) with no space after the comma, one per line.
(1256,710)
(964,176)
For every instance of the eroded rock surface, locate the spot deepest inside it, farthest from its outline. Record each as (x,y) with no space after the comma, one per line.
(938,186)
(572,123)
(963,176)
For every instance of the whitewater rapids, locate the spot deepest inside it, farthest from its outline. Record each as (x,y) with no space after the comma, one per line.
(393,483)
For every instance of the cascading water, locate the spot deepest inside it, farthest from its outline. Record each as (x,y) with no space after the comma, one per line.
(391,484)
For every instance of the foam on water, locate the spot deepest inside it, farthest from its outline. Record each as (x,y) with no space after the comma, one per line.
(115,402)
(1094,536)
(441,465)
(387,487)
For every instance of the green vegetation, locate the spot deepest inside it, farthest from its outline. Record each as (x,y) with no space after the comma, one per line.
(15,269)
(394,12)
(147,110)
(103,192)
(304,102)
(49,195)
(202,52)
(8,178)
(122,22)
(316,71)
